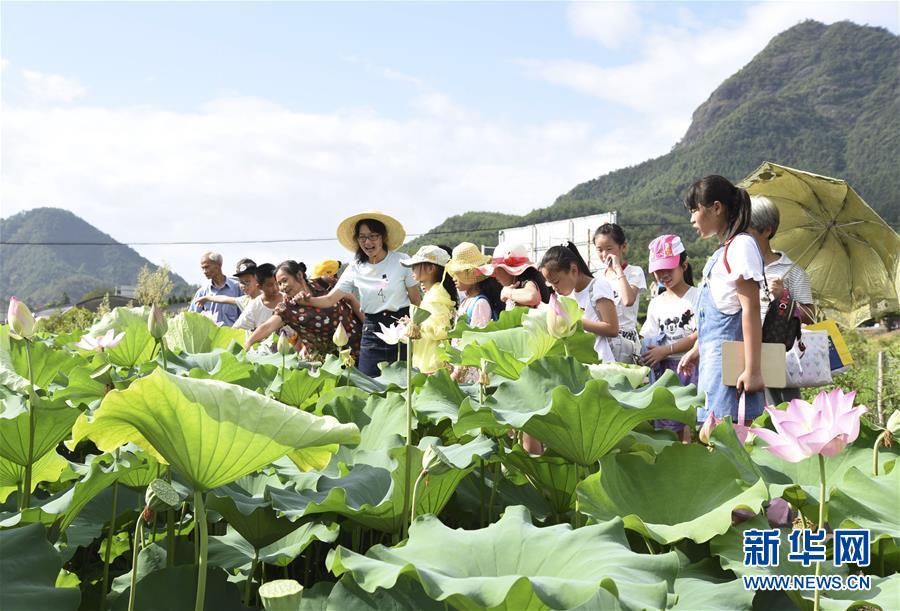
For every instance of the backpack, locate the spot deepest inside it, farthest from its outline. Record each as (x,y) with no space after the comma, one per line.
(782,322)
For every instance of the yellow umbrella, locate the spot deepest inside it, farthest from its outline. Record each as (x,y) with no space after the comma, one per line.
(850,253)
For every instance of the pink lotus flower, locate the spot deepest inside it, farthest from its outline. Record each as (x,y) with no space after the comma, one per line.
(708,427)
(101,342)
(21,321)
(561,318)
(803,430)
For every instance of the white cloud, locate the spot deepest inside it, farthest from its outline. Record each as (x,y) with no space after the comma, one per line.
(384,71)
(610,23)
(3,63)
(249,169)
(679,64)
(51,87)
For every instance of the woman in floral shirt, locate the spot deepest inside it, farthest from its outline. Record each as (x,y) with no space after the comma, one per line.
(314,326)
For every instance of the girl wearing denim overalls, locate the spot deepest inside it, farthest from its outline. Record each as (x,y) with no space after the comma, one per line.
(729,298)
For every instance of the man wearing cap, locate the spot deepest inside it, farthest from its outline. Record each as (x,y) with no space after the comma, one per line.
(218,285)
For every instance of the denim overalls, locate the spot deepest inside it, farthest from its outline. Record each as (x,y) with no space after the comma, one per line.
(714,327)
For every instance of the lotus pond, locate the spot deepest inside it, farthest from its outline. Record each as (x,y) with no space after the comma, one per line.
(181,472)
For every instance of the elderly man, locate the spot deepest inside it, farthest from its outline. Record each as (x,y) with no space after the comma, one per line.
(225,313)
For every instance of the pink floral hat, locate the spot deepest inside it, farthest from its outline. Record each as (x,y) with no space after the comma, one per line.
(511,257)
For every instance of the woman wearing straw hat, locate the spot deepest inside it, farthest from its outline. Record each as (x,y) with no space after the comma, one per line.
(523,284)
(482,293)
(385,287)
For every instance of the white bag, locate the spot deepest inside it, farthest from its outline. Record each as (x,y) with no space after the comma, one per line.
(808,363)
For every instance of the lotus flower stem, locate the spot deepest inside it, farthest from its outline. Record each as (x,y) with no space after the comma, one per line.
(26,491)
(248,587)
(481,523)
(170,528)
(109,540)
(820,526)
(408,468)
(878,441)
(200,521)
(138,540)
(649,547)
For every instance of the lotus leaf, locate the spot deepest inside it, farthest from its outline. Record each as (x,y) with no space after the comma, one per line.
(406,594)
(554,476)
(301,388)
(9,377)
(174,589)
(137,346)
(512,564)
(861,501)
(243,505)
(192,332)
(231,551)
(29,566)
(211,432)
(48,468)
(48,364)
(52,422)
(651,495)
(701,587)
(579,418)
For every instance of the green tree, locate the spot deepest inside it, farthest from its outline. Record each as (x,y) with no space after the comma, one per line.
(153,287)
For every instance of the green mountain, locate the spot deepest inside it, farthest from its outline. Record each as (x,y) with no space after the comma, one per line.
(825,99)
(43,274)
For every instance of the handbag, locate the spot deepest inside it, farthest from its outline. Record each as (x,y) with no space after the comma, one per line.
(808,363)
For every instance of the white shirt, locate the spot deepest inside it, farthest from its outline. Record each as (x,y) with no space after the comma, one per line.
(243,301)
(381,287)
(673,317)
(795,279)
(587,300)
(254,314)
(628,314)
(745,262)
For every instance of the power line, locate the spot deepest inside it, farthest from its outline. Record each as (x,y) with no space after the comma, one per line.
(287,240)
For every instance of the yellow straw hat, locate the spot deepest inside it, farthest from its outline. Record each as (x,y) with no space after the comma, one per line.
(328,267)
(465,261)
(346,230)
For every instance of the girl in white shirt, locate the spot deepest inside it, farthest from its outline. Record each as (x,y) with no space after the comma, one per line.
(627,282)
(566,272)
(729,298)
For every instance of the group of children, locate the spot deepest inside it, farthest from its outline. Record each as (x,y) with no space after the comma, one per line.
(682,320)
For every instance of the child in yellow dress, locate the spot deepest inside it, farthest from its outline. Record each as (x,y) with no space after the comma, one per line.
(440,299)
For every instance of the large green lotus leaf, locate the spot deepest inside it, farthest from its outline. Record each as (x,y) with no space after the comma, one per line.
(864,501)
(48,468)
(53,421)
(799,482)
(700,587)
(211,432)
(387,422)
(730,550)
(301,388)
(474,419)
(175,589)
(372,492)
(137,346)
(231,551)
(246,509)
(502,362)
(512,564)
(192,332)
(406,594)
(651,495)
(508,319)
(554,476)
(80,387)
(556,401)
(48,363)
(225,368)
(635,374)
(441,397)
(29,566)
(9,377)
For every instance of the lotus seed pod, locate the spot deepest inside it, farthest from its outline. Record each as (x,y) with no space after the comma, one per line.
(281,595)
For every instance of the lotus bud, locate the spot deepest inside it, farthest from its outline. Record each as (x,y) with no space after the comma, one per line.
(340,338)
(559,322)
(708,427)
(434,462)
(156,323)
(20,319)
(284,345)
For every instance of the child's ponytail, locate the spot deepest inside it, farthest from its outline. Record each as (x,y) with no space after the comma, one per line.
(736,201)
(560,259)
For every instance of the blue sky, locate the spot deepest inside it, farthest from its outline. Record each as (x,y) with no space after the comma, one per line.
(178,121)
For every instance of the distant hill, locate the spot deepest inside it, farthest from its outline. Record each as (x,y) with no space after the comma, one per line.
(41,275)
(820,98)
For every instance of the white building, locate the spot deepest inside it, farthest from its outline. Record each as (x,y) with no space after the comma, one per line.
(540,237)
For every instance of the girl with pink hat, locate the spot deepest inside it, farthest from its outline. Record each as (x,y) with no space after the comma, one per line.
(671,326)
(523,284)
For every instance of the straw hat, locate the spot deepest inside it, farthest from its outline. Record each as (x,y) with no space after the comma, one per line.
(328,267)
(428,254)
(513,258)
(465,261)
(346,230)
